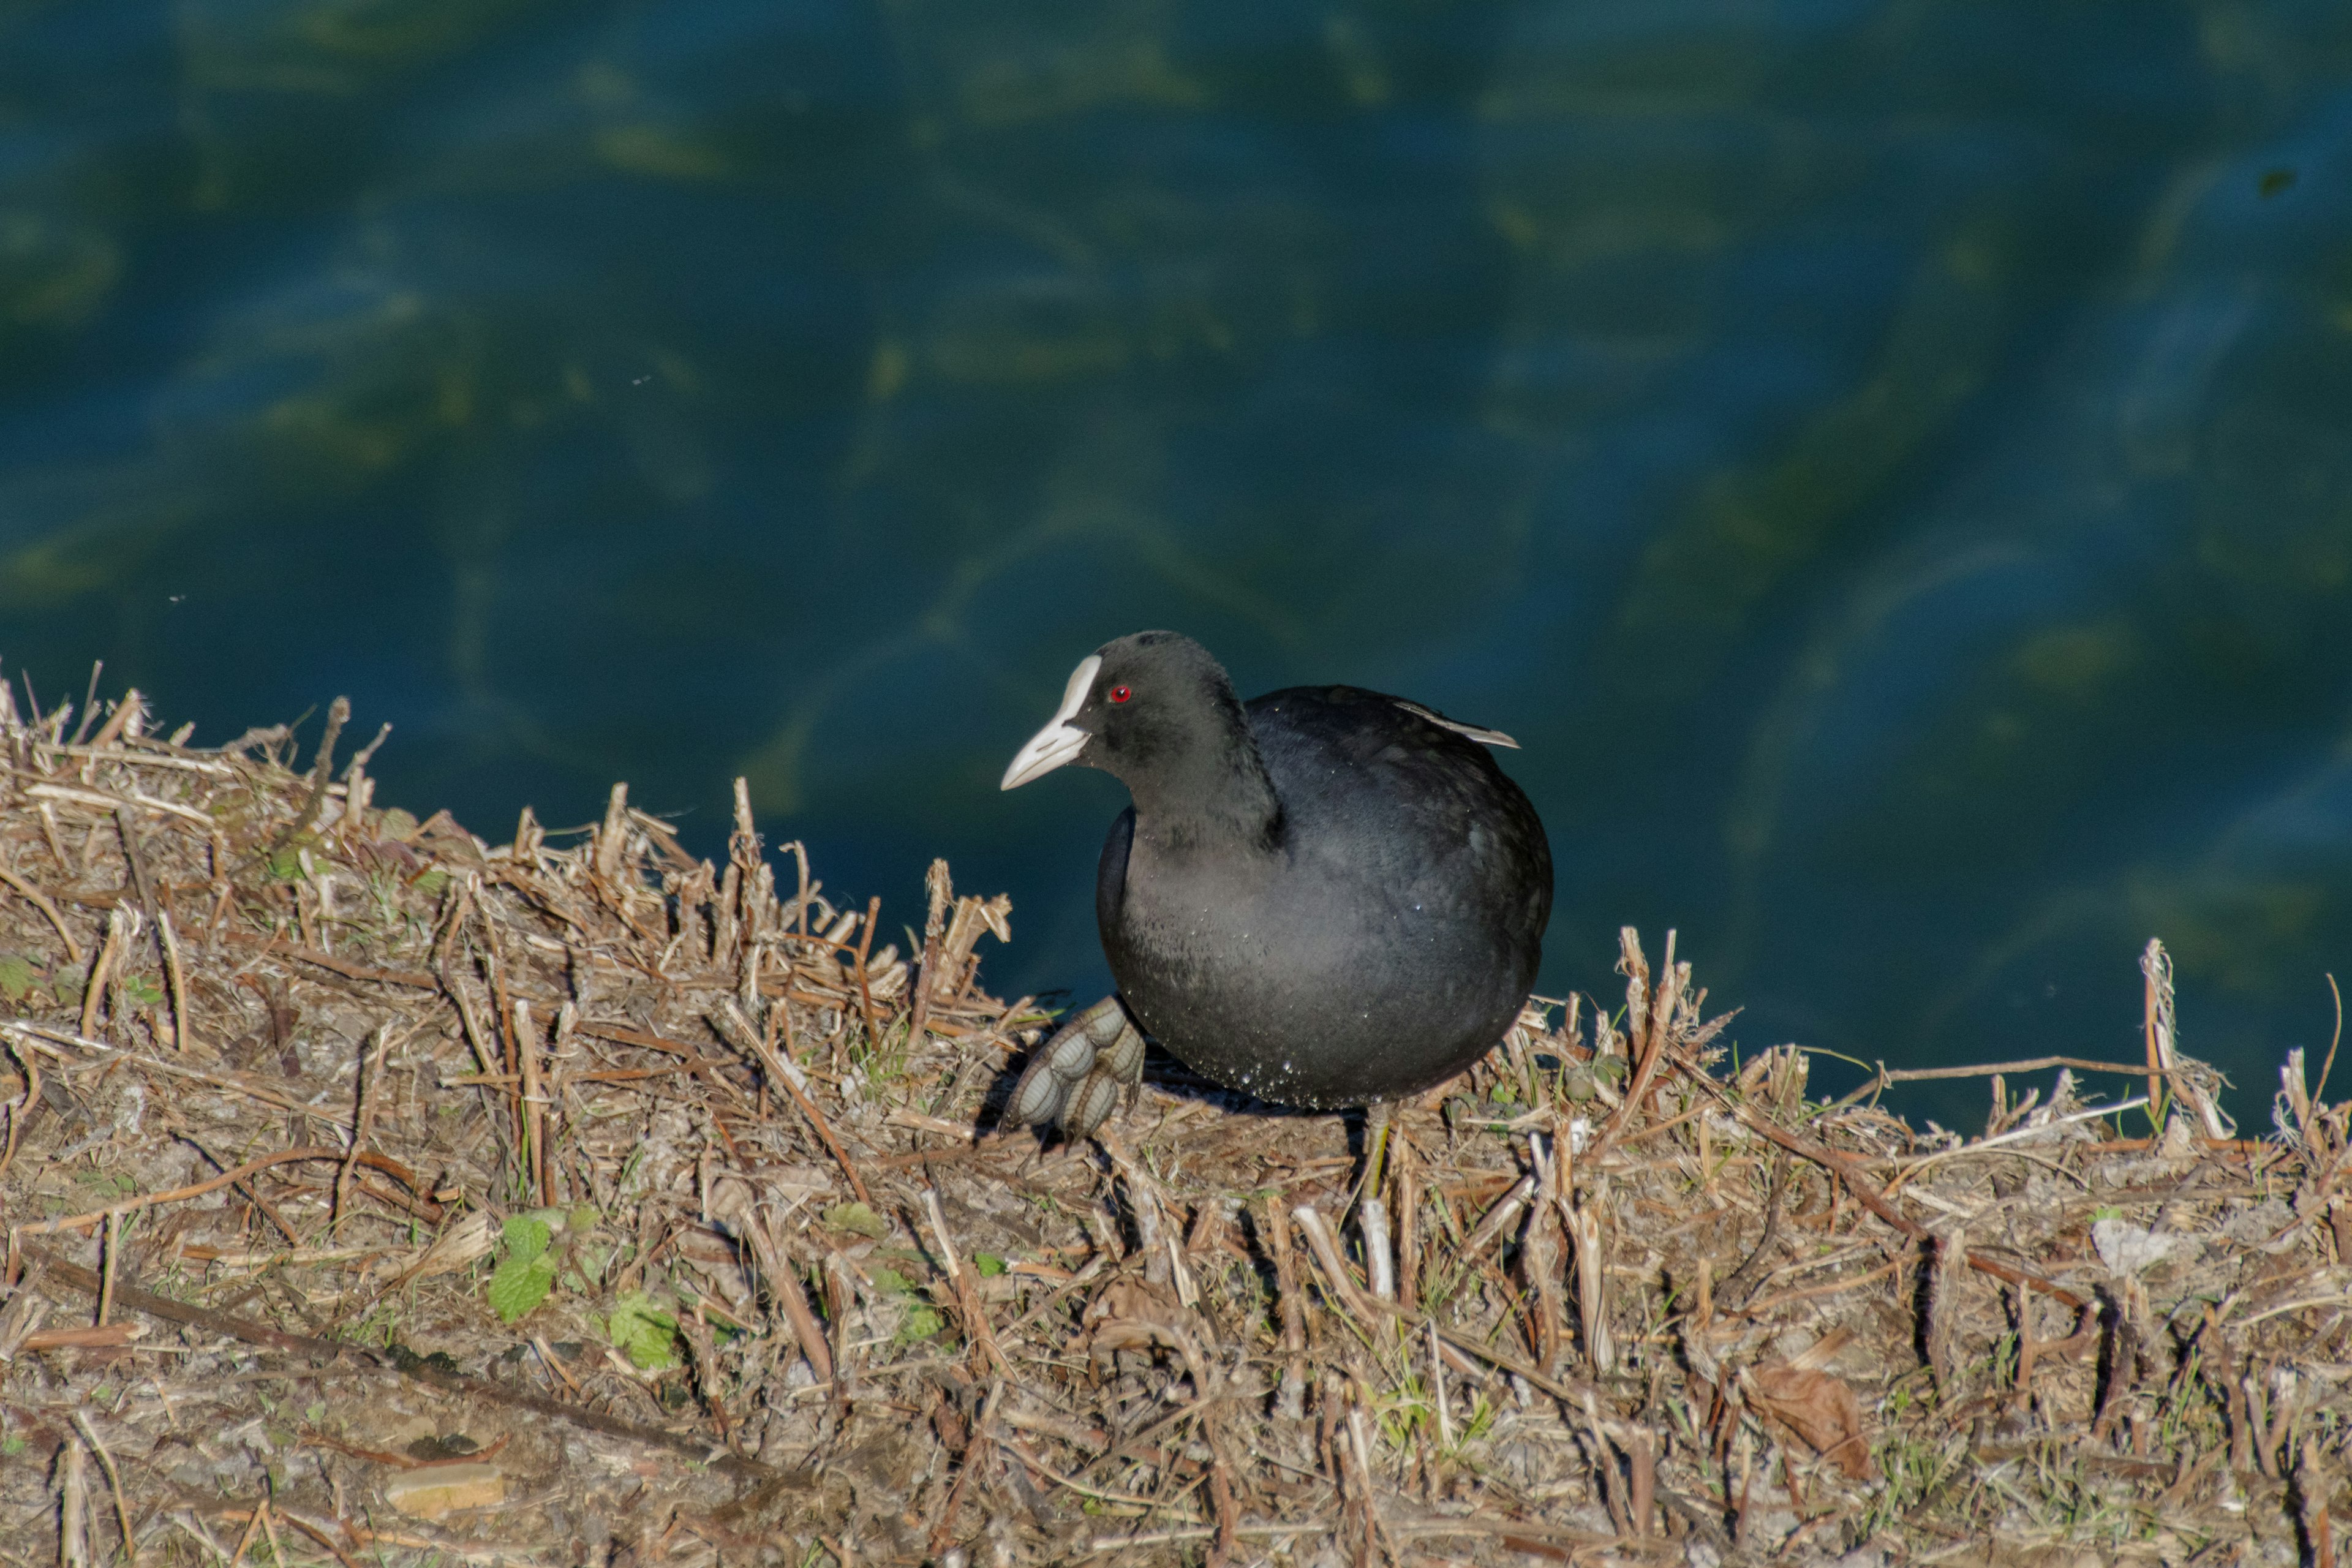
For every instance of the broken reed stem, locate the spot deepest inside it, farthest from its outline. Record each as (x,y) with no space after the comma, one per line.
(1646,1028)
(55,840)
(322,768)
(106,1280)
(534,1106)
(1941,1308)
(866,990)
(1592,1288)
(2156,965)
(118,921)
(1437,1388)
(183,1028)
(1372,1223)
(1152,1233)
(1606,1480)
(127,717)
(785,1289)
(1345,1291)
(939,894)
(252,1527)
(1539,1263)
(959,1279)
(612,835)
(73,1508)
(1496,1220)
(1642,1460)
(1406,1163)
(363,1114)
(840,1301)
(2021,1397)
(2311,1494)
(29,1063)
(1291,1401)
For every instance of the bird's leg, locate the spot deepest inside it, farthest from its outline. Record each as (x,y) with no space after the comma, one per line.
(1372,1211)
(1075,1078)
(1376,1148)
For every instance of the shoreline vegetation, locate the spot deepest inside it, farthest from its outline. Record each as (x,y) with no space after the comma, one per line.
(377,1193)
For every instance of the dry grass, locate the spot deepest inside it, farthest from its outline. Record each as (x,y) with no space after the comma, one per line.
(376,1194)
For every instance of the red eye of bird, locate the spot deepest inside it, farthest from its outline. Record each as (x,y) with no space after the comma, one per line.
(1121,693)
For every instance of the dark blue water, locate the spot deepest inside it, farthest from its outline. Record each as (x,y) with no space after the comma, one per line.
(1890,466)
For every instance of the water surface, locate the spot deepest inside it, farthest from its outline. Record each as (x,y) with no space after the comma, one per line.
(1887,464)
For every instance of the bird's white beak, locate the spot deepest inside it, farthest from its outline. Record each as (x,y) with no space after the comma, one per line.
(1056,743)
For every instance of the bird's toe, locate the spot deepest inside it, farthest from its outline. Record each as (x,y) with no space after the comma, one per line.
(1074,1078)
(1090,1105)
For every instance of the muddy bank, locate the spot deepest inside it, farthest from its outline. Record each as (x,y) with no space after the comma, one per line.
(376,1193)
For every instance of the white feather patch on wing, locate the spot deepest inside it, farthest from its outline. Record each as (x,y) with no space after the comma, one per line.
(1488,737)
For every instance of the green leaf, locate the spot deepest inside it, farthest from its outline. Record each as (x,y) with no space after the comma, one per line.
(643,1332)
(858,1219)
(522,1282)
(920,1323)
(144,989)
(890,1282)
(989,1264)
(20,977)
(526,1236)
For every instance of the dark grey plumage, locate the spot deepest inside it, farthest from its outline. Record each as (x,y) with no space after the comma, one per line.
(1328,898)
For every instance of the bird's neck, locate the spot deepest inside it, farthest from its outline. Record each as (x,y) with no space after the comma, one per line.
(1221,796)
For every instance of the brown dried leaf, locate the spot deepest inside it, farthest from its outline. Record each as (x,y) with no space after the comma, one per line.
(1817,1407)
(1131,1314)
(1134,1314)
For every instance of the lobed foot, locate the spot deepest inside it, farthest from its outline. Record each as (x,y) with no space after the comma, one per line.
(1376,1150)
(1074,1080)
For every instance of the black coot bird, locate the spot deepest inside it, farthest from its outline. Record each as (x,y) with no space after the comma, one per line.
(1328,898)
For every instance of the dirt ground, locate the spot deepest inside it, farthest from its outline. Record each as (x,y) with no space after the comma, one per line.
(378,1194)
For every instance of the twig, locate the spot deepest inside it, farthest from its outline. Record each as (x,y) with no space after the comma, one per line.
(2320,1094)
(102,801)
(865,991)
(2015,1135)
(197,1189)
(114,1486)
(1291,1401)
(355,1355)
(1886,1075)
(43,1036)
(825,1130)
(49,911)
(1875,1202)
